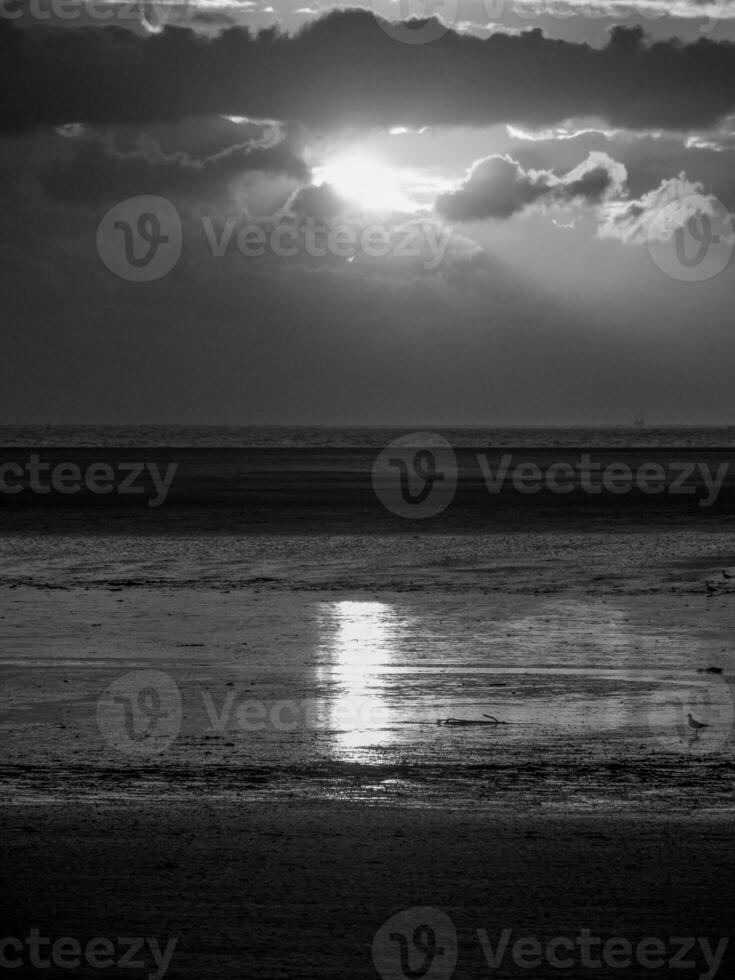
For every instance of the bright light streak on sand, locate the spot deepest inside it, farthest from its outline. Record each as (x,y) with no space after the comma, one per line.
(360,636)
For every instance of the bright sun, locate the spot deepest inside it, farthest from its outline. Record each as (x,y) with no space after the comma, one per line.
(366,181)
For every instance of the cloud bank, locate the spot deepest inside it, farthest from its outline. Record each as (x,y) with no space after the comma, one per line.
(94,171)
(498,187)
(344,70)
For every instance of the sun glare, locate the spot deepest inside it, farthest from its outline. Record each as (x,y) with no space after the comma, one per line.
(366,181)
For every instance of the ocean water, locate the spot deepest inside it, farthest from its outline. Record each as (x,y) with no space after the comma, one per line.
(233,436)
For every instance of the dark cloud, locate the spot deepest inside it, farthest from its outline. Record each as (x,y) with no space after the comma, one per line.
(94,171)
(314,201)
(498,187)
(649,158)
(344,69)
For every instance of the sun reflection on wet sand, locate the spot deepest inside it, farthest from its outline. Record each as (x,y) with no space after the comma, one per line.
(360,642)
(564,670)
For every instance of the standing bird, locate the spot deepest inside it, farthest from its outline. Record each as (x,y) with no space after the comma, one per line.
(696,725)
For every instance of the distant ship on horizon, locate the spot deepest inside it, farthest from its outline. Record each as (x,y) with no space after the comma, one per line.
(639,422)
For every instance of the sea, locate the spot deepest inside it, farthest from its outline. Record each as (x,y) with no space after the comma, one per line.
(318,436)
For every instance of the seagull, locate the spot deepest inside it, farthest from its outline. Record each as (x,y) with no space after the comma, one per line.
(696,725)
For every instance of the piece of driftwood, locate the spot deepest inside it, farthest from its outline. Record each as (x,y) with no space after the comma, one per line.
(485,720)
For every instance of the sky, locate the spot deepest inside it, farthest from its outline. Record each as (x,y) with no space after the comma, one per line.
(243,212)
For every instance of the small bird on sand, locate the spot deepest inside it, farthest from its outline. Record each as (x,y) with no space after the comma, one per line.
(696,725)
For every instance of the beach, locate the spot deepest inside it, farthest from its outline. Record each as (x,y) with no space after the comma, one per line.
(299,889)
(584,648)
(269,743)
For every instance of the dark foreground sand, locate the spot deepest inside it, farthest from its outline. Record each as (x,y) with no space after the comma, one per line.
(299,891)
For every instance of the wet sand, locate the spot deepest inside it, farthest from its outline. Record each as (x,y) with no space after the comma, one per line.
(279,850)
(320,668)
